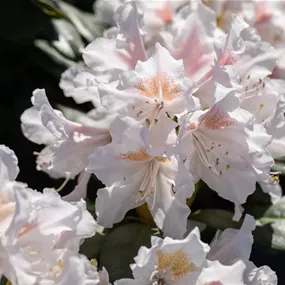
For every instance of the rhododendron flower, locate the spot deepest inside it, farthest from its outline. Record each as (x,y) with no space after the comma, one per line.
(72,142)
(242,53)
(242,61)
(40,233)
(249,61)
(156,87)
(267,104)
(191,37)
(157,14)
(264,16)
(225,148)
(182,91)
(133,176)
(233,245)
(121,52)
(190,261)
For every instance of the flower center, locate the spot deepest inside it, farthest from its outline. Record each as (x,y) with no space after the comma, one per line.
(149,182)
(162,87)
(171,265)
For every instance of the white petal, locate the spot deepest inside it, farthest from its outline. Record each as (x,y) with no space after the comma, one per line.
(80,190)
(9,169)
(260,276)
(33,129)
(232,244)
(113,202)
(219,274)
(169,210)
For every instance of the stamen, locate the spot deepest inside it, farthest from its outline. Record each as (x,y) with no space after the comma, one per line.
(148,184)
(64,182)
(205,154)
(176,264)
(154,121)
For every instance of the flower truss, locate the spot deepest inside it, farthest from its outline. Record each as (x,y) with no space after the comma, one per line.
(182,91)
(41,234)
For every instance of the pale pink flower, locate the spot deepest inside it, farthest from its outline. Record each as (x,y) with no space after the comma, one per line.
(225,148)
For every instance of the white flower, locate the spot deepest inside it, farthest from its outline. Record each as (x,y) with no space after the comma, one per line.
(40,233)
(246,59)
(232,245)
(158,14)
(108,57)
(265,17)
(191,37)
(225,148)
(71,145)
(134,176)
(273,116)
(181,262)
(79,83)
(249,61)
(156,87)
(190,261)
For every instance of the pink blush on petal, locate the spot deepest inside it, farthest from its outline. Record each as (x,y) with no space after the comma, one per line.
(193,126)
(261,15)
(165,13)
(227,58)
(217,118)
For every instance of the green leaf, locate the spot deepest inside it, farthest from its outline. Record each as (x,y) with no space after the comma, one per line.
(120,248)
(280,159)
(49,7)
(215,218)
(53,53)
(271,227)
(85,23)
(257,203)
(92,246)
(4,281)
(69,41)
(279,166)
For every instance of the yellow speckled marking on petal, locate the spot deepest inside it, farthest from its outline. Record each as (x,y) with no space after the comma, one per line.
(139,155)
(176,263)
(151,87)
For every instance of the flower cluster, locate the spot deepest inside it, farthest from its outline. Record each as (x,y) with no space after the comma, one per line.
(182,92)
(40,233)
